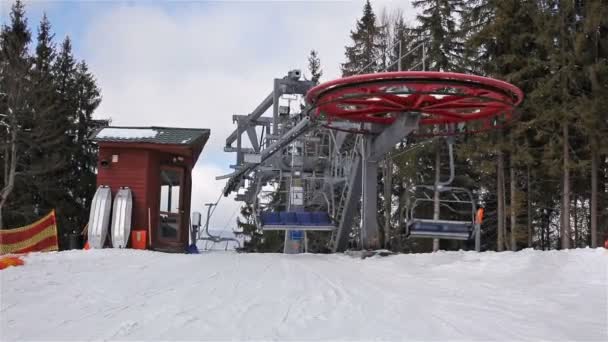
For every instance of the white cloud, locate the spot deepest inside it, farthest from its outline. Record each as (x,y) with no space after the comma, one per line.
(200,63)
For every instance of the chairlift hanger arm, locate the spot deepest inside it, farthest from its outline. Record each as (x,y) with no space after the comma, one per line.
(440,184)
(470,201)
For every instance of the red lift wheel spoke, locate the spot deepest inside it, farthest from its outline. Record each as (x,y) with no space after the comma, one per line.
(440,98)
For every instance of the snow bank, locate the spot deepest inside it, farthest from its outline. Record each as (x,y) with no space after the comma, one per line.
(529,295)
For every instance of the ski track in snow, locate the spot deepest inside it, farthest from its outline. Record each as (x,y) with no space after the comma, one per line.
(528,295)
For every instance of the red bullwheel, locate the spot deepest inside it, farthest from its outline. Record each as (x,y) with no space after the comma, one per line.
(439,98)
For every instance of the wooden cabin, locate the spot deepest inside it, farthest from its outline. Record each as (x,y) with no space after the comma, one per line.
(156,163)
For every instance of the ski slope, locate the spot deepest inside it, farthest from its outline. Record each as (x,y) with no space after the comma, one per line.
(142,295)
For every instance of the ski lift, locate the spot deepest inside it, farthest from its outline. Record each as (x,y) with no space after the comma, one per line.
(292,220)
(461,211)
(458,222)
(268,218)
(296,220)
(197,233)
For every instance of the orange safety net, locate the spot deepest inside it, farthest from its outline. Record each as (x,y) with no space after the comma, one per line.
(39,236)
(8,261)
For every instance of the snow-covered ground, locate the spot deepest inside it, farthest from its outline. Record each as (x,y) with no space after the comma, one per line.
(141,295)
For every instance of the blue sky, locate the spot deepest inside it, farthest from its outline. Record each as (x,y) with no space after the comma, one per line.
(196,63)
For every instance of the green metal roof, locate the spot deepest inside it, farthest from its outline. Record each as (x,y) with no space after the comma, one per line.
(152,135)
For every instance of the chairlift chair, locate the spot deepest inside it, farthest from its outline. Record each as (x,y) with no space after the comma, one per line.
(295,220)
(463,228)
(450,229)
(197,233)
(269,219)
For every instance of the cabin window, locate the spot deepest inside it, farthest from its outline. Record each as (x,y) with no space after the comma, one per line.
(170,202)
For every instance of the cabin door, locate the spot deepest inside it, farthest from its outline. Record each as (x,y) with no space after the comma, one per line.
(172,220)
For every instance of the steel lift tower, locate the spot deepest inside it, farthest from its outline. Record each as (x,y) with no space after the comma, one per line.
(321,160)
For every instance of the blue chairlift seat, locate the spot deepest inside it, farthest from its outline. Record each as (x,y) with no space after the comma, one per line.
(440,229)
(321,218)
(288,218)
(304,218)
(300,220)
(270,218)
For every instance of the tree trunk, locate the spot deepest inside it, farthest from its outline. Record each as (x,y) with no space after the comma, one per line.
(588,224)
(544,235)
(565,231)
(513,201)
(401,217)
(500,210)
(595,159)
(575,213)
(529,191)
(12,170)
(594,214)
(7,164)
(436,207)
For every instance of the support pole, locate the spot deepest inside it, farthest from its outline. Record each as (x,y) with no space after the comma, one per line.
(374,149)
(239,146)
(436,208)
(423,56)
(400,63)
(369,226)
(275,107)
(478,237)
(209,207)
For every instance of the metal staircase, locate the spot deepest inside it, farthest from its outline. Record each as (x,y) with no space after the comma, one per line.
(350,193)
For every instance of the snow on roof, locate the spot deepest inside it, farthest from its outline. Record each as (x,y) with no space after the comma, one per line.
(119,133)
(152,135)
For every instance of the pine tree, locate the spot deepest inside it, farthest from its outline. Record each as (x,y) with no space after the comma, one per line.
(78,97)
(403,43)
(592,55)
(64,71)
(45,49)
(85,154)
(64,74)
(477,16)
(502,42)
(384,38)
(254,240)
(557,93)
(47,102)
(15,69)
(362,56)
(314,66)
(47,158)
(438,26)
